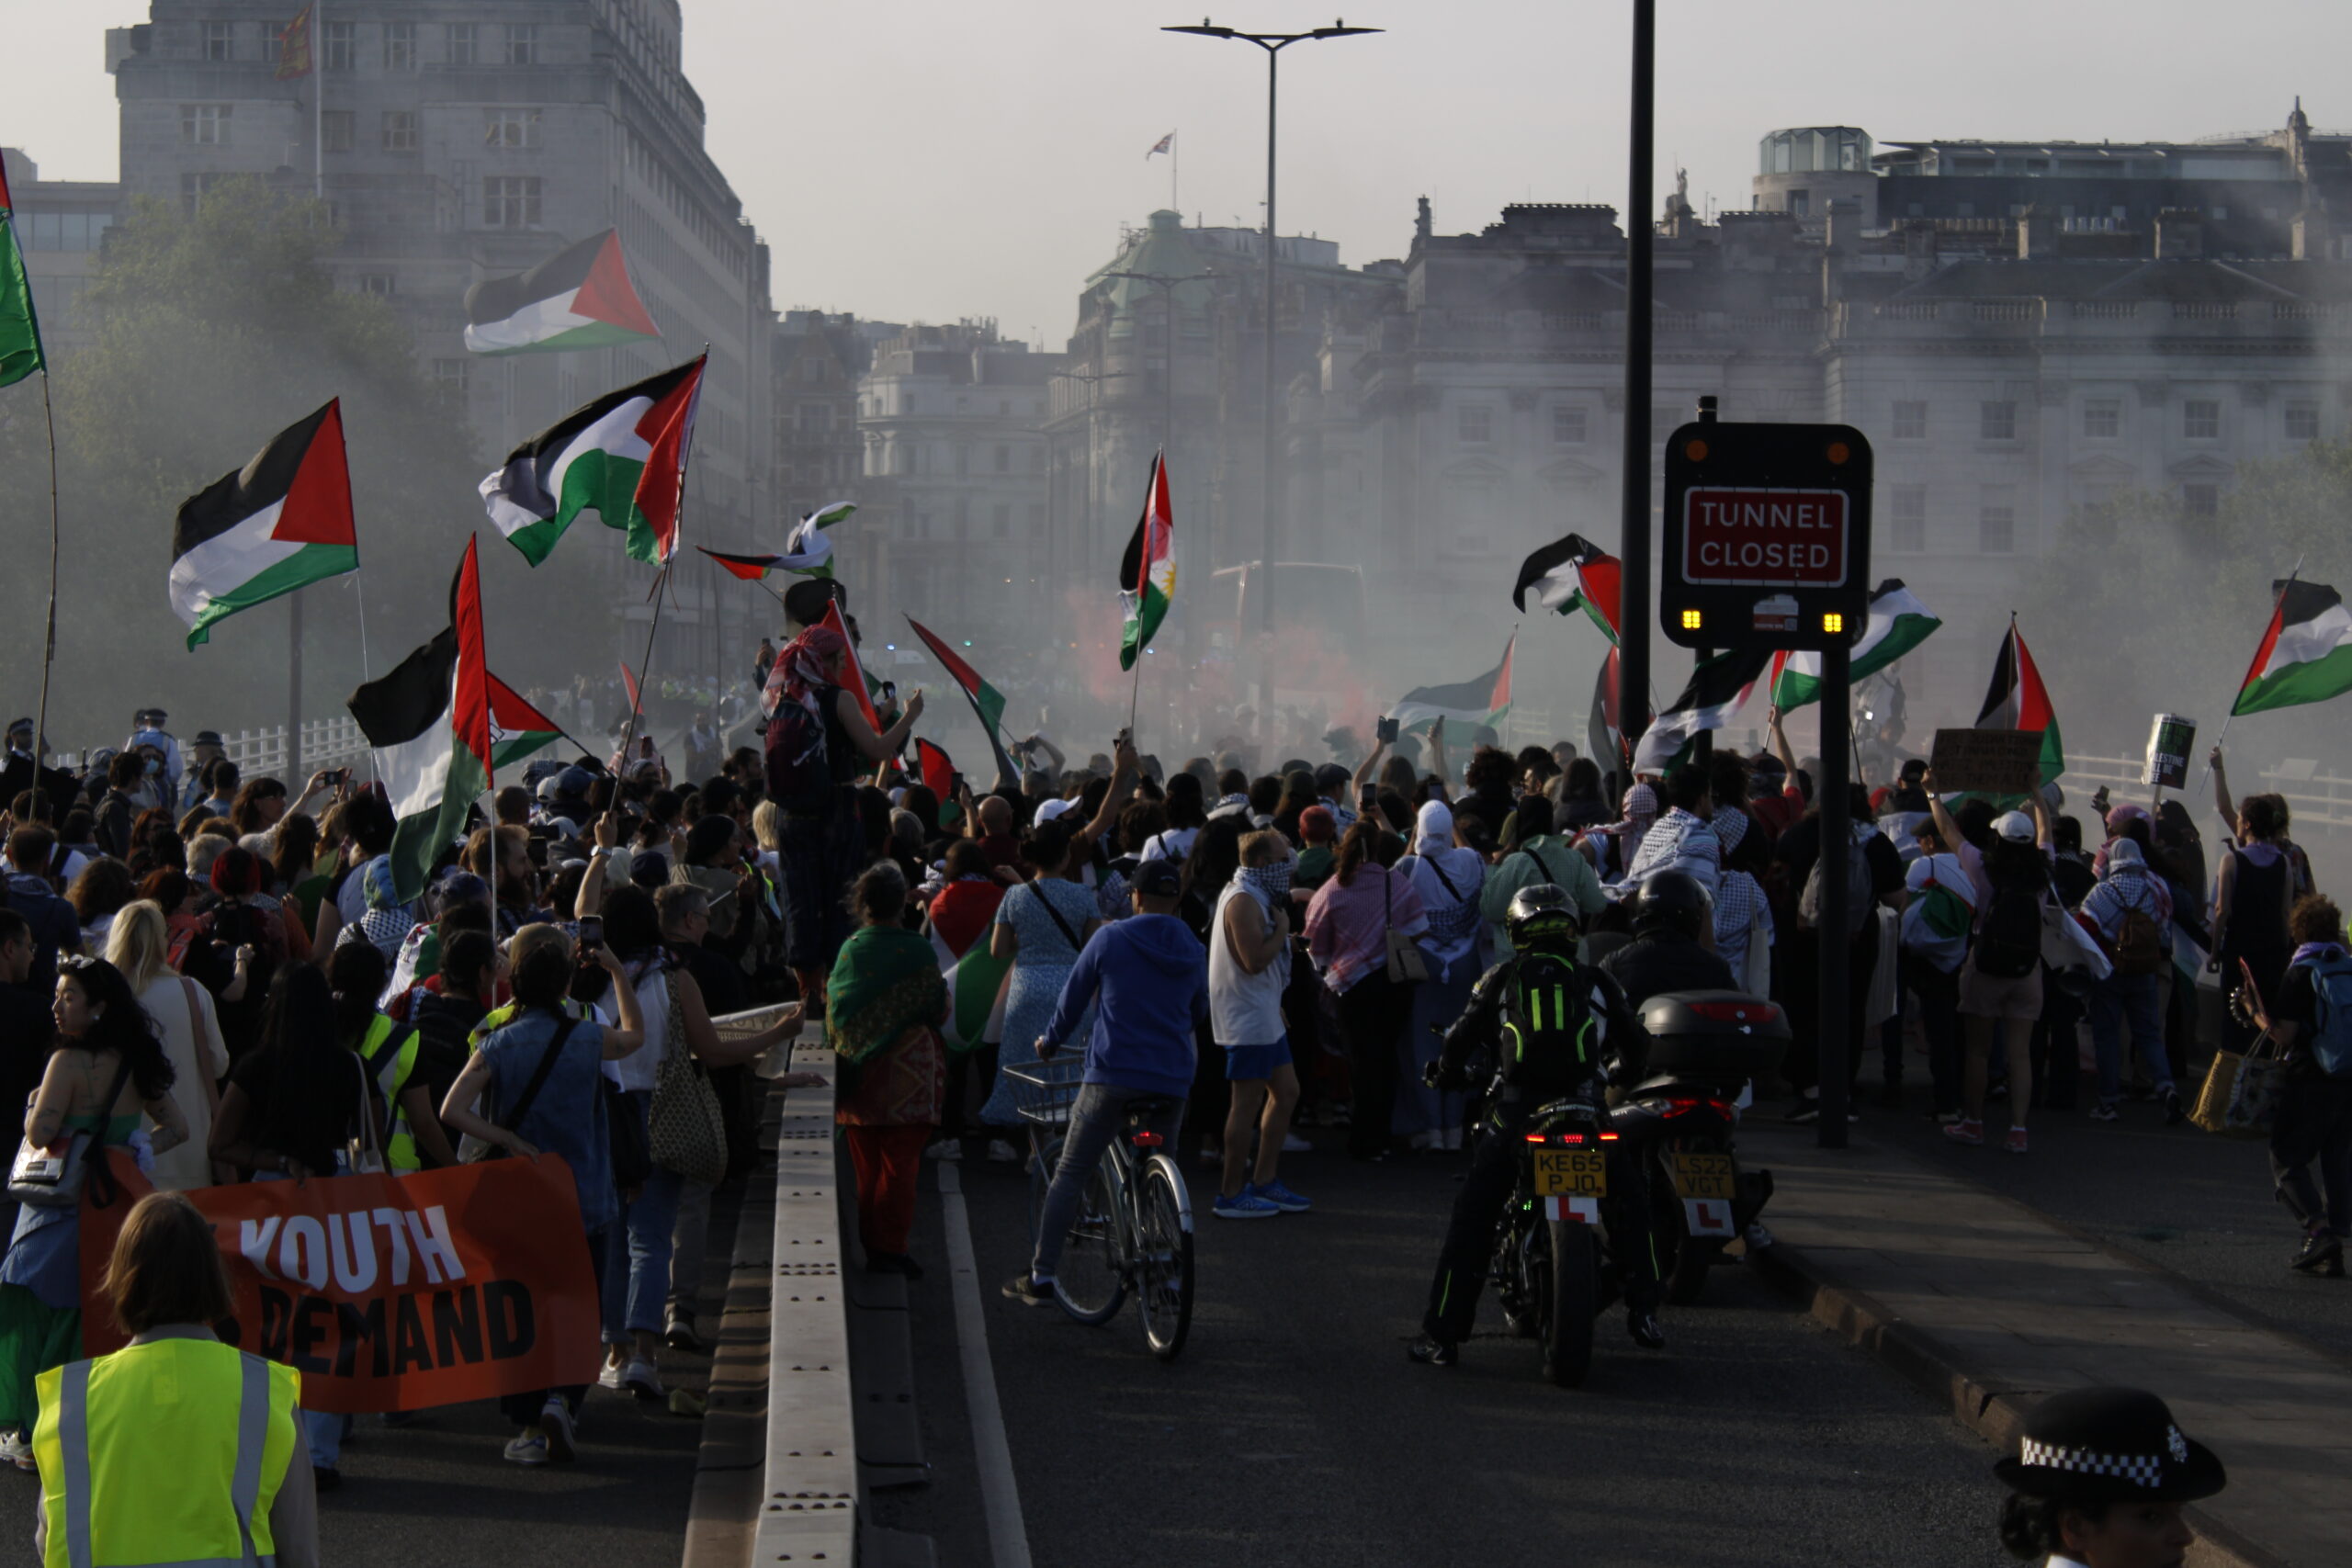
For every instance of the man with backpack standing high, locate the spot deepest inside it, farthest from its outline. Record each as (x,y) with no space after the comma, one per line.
(2130,912)
(2312,1020)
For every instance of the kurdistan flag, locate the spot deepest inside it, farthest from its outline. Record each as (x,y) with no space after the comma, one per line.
(1898,623)
(988,702)
(428,722)
(280,523)
(517,728)
(2306,654)
(621,456)
(578,298)
(20,352)
(1148,571)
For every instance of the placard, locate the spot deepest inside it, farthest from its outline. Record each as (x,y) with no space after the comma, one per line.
(2170,740)
(1986,762)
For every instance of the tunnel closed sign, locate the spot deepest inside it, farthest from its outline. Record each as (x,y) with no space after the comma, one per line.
(1764,537)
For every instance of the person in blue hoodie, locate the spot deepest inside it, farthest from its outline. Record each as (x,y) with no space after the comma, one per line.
(1152,976)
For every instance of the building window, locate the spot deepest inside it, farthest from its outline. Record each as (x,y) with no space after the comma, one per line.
(2200,419)
(2201,501)
(1474,423)
(2103,419)
(1568,424)
(1910,537)
(2302,422)
(510,201)
(335,130)
(377,283)
(1997,421)
(816,419)
(399,131)
(1997,530)
(455,376)
(206,125)
(462,50)
(1910,419)
(522,43)
(400,46)
(193,189)
(338,36)
(509,128)
(1005,459)
(220,40)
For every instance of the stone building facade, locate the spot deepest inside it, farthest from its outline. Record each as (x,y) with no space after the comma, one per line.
(817,359)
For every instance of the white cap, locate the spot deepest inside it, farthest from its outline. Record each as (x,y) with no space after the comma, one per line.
(1047,810)
(2014,825)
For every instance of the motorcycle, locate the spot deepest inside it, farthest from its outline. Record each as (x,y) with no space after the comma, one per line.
(1552,1268)
(1703,1049)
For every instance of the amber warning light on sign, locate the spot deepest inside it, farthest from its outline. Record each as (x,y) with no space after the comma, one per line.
(1762,537)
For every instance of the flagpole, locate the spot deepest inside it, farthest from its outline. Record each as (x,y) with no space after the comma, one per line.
(2277,600)
(1174,143)
(48,648)
(644,674)
(318,102)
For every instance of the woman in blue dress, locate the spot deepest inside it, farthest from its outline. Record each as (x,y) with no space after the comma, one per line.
(1040,926)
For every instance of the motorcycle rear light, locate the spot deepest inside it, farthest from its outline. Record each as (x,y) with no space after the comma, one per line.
(1147,1140)
(1571,1139)
(1736,1013)
(1608,1137)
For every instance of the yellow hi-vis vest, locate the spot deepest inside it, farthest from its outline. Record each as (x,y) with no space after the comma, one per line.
(393,1064)
(165,1455)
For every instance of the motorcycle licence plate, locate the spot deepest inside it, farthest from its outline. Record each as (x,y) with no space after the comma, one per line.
(1578,1173)
(1703,1176)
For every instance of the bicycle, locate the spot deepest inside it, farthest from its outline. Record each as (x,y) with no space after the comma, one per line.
(1133,1231)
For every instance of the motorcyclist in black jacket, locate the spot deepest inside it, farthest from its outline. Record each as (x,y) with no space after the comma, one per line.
(1536,1058)
(1672,915)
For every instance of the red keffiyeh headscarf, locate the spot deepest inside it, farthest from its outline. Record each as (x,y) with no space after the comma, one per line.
(804,664)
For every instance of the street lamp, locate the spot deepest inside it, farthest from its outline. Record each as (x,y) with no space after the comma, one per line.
(1273,44)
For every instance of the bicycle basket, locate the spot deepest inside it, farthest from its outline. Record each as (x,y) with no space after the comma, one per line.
(1046,1091)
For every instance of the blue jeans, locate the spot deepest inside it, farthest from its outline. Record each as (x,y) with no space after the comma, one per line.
(1099,1115)
(2114,1001)
(637,1276)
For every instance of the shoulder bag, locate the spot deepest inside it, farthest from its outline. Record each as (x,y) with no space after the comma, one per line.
(51,1178)
(1038,893)
(1408,965)
(365,1153)
(686,1131)
(513,1120)
(2240,1096)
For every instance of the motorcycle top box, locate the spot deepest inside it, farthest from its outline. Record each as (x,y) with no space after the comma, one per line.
(1715,1035)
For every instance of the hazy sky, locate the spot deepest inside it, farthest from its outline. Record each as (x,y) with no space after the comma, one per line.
(927,160)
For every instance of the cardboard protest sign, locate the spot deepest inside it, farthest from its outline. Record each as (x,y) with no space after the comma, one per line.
(1986,762)
(2170,740)
(392,1293)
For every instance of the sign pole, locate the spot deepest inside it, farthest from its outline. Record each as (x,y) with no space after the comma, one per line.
(1836,1048)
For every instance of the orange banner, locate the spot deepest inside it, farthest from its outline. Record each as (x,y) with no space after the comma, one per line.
(392,1293)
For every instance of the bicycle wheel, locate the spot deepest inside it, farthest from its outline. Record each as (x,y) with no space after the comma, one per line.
(1091,1282)
(1164,1266)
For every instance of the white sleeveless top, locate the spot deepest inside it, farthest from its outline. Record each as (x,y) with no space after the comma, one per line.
(1244,1009)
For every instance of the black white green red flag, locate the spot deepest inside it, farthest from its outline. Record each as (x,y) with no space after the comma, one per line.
(2306,652)
(429,724)
(1147,569)
(2017,700)
(806,550)
(1571,574)
(1714,692)
(280,523)
(578,298)
(622,457)
(20,352)
(1898,623)
(517,728)
(1483,699)
(988,702)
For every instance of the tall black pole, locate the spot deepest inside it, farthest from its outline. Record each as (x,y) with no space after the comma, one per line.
(1634,642)
(293,690)
(1836,700)
(1272,493)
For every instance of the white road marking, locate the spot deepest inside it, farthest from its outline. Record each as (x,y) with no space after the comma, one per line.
(1000,1493)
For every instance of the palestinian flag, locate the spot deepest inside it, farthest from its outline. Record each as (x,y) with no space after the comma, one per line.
(976,991)
(622,457)
(636,699)
(2018,700)
(1604,740)
(988,702)
(517,728)
(1148,571)
(280,523)
(857,684)
(806,551)
(1573,574)
(578,298)
(937,770)
(2305,657)
(1898,623)
(1713,695)
(1484,700)
(429,724)
(20,352)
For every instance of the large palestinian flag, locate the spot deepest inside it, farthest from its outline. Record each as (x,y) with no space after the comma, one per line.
(622,457)
(578,298)
(988,702)
(517,728)
(1484,699)
(1147,569)
(20,352)
(1572,574)
(2306,654)
(1898,623)
(428,722)
(2017,700)
(1708,701)
(280,523)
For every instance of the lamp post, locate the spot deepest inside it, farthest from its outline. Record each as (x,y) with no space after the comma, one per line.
(1273,44)
(1634,662)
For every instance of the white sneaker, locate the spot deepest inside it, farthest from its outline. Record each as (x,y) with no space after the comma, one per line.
(1002,1153)
(529,1447)
(555,1422)
(1294,1145)
(611,1376)
(641,1379)
(948,1151)
(17,1452)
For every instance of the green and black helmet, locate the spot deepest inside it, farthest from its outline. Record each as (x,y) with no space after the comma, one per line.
(1541,916)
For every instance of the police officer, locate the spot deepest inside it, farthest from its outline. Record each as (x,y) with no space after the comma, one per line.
(2098,1481)
(1549,1057)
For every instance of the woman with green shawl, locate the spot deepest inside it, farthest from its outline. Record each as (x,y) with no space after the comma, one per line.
(884,1003)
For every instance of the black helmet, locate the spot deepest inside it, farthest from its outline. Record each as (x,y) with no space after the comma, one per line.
(1541,916)
(1673,898)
